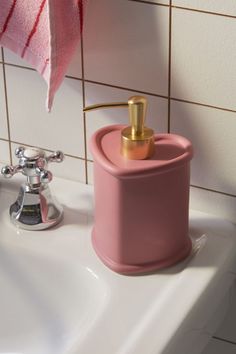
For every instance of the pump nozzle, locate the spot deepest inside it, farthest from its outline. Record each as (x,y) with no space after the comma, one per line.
(137,141)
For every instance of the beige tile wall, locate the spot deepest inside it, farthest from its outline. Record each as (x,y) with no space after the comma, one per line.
(180,54)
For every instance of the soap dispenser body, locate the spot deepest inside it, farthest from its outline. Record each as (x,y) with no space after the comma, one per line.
(141,207)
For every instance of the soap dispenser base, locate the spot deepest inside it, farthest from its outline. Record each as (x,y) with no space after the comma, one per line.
(129,269)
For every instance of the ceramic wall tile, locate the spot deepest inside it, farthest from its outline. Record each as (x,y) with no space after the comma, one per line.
(162,2)
(156,113)
(71,168)
(218,204)
(3,115)
(31,124)
(4,152)
(90,172)
(12,58)
(126,44)
(218,6)
(212,133)
(203,58)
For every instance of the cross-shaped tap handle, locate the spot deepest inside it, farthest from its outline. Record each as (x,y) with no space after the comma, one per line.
(33,164)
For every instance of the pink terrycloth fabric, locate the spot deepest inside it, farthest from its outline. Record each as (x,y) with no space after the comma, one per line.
(43,32)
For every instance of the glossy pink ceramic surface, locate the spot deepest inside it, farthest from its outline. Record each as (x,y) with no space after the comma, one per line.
(141,206)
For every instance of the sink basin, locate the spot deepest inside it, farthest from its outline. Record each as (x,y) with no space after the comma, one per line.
(57,297)
(43,305)
(48,299)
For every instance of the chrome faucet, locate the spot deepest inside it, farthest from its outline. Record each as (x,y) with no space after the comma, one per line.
(35,208)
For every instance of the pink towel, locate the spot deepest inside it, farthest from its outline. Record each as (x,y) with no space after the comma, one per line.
(43,32)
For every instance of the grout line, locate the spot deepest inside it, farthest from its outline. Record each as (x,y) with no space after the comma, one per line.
(214,191)
(74,77)
(45,149)
(89,160)
(125,88)
(75,157)
(203,105)
(224,340)
(169,67)
(134,90)
(150,3)
(84,114)
(6,105)
(187,8)
(203,11)
(32,69)
(19,66)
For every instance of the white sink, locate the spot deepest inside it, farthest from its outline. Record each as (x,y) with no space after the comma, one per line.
(58,298)
(48,299)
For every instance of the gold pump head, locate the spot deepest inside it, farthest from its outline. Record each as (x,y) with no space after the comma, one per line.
(137,141)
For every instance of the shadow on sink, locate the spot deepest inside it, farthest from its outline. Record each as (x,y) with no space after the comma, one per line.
(74,217)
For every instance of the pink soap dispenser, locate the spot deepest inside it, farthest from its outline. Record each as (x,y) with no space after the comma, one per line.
(141,185)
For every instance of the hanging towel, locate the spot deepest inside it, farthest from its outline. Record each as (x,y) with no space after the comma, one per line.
(43,32)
